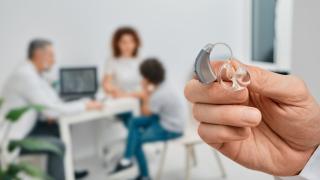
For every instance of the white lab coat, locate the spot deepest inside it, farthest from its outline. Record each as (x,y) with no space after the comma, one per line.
(26,86)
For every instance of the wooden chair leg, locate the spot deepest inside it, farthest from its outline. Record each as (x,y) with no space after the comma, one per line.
(188,163)
(162,160)
(221,167)
(193,154)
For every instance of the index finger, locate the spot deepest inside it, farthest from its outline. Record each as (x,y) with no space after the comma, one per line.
(196,92)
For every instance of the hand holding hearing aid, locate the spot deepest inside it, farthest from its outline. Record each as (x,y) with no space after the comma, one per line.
(263,121)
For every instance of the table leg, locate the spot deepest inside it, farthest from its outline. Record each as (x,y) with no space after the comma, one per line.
(68,159)
(188,162)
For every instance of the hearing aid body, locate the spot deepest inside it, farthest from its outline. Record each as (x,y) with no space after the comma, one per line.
(202,66)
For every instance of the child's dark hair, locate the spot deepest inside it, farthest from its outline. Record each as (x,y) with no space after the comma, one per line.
(152,70)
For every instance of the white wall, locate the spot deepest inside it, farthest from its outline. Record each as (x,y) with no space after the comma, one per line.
(174,30)
(81,30)
(306,38)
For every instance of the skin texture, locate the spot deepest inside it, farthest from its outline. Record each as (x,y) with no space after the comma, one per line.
(271,126)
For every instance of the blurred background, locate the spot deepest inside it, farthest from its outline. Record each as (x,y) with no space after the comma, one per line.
(278,35)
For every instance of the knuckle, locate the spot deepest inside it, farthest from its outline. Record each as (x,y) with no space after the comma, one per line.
(243,132)
(195,112)
(301,89)
(241,96)
(260,77)
(187,93)
(221,135)
(225,133)
(212,91)
(201,132)
(220,116)
(205,135)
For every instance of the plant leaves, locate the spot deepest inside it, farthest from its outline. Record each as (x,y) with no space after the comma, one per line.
(35,144)
(4,176)
(12,172)
(15,169)
(15,114)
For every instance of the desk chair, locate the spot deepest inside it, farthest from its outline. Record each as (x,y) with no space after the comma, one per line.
(189,140)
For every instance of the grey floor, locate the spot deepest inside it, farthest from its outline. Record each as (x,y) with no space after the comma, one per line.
(206,169)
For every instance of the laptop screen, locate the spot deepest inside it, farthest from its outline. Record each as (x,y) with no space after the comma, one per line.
(78,81)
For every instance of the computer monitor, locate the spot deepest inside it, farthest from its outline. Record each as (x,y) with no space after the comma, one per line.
(78,82)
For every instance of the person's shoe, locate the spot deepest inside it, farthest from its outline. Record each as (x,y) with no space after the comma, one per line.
(81,174)
(142,178)
(121,167)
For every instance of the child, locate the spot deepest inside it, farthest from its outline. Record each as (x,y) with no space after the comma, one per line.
(163,117)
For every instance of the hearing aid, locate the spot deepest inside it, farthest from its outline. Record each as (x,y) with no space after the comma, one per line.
(231,75)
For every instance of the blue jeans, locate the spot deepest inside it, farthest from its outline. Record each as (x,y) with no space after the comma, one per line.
(125,117)
(145,130)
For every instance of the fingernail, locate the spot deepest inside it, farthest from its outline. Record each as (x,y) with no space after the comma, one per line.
(252,116)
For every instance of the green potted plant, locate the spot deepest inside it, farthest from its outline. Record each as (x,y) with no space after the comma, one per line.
(12,168)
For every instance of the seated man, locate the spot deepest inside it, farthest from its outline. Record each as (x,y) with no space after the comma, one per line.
(27,86)
(163,117)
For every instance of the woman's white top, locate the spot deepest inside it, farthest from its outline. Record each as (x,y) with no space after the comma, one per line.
(125,73)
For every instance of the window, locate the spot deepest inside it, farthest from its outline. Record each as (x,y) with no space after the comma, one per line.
(263,30)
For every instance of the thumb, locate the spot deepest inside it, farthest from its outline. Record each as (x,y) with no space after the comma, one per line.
(275,86)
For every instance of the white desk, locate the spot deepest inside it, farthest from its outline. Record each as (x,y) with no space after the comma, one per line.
(112,107)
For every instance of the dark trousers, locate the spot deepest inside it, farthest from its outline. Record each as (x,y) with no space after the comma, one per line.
(49,133)
(125,117)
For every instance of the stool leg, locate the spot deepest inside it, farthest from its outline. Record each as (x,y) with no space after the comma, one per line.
(193,154)
(188,163)
(162,160)
(221,167)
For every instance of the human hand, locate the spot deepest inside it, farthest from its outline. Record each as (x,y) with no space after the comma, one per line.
(272,126)
(109,88)
(51,120)
(147,87)
(93,105)
(120,94)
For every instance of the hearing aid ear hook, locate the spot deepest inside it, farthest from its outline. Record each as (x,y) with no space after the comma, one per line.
(231,75)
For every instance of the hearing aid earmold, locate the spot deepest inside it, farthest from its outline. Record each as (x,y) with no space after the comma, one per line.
(231,75)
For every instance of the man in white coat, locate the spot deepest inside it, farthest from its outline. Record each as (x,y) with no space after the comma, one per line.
(27,86)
